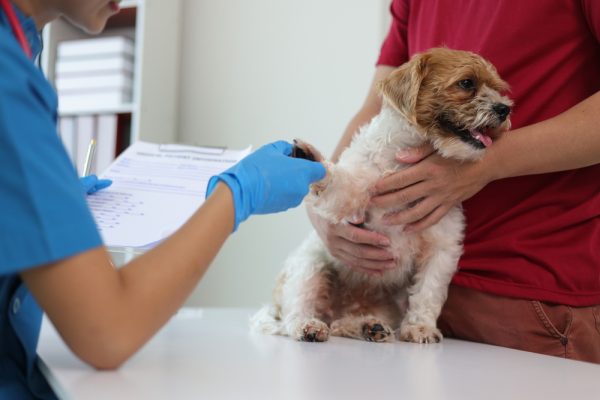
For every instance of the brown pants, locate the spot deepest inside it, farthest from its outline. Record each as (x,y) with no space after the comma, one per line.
(556,330)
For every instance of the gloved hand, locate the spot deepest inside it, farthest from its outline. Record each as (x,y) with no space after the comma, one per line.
(91,183)
(268,181)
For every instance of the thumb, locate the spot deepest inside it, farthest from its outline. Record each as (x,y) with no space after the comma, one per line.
(103,184)
(282,147)
(414,154)
(316,171)
(88,181)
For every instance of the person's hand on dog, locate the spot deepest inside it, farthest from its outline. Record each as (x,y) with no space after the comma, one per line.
(268,181)
(356,247)
(433,185)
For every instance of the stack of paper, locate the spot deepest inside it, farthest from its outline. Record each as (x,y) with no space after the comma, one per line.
(94,73)
(155,189)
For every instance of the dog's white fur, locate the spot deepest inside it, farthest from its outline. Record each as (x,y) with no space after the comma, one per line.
(316,294)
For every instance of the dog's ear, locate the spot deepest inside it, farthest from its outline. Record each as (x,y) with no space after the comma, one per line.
(401,88)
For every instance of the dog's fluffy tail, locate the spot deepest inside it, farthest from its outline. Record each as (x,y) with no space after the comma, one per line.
(266,320)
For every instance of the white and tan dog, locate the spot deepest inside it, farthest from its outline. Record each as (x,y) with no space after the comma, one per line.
(449,98)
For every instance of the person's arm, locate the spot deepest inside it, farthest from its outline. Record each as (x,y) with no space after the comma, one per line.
(369,109)
(568,141)
(357,247)
(105,314)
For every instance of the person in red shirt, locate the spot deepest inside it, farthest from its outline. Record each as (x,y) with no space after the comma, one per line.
(529,277)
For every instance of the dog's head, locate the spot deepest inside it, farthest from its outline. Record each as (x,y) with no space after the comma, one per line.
(453,97)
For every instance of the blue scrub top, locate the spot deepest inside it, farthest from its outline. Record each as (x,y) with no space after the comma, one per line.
(43,213)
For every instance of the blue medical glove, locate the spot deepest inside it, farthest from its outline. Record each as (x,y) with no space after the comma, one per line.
(268,181)
(91,183)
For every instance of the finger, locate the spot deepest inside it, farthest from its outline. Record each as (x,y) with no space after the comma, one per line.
(282,147)
(414,155)
(316,170)
(371,272)
(397,181)
(89,180)
(401,198)
(359,235)
(366,252)
(411,215)
(103,184)
(369,266)
(430,220)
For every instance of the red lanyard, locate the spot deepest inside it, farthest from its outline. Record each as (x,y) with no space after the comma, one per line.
(16,26)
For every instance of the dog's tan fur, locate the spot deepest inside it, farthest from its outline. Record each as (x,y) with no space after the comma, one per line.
(449,98)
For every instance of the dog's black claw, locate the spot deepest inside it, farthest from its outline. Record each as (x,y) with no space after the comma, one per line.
(310,337)
(297,152)
(374,333)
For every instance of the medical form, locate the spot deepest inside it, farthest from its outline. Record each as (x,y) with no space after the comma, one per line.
(156,188)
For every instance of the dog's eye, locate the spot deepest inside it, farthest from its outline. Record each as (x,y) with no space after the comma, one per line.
(466,84)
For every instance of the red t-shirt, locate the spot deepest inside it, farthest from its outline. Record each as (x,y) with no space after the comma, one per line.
(534,237)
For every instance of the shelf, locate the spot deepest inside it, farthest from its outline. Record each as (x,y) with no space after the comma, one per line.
(153,110)
(129,4)
(119,109)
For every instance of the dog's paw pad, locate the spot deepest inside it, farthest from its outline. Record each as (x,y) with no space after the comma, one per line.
(314,331)
(420,334)
(374,331)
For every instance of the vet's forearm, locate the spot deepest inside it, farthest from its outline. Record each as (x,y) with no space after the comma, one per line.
(104,314)
(568,141)
(157,283)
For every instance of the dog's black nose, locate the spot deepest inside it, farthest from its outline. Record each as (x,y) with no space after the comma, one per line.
(502,110)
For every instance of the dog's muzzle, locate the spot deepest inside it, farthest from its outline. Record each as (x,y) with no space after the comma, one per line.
(501,110)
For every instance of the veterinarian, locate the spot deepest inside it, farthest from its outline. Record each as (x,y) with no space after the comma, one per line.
(51,255)
(529,277)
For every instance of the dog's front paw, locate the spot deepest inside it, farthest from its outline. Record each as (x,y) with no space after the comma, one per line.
(375,331)
(364,327)
(312,330)
(420,334)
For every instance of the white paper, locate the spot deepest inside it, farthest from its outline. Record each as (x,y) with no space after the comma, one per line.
(155,189)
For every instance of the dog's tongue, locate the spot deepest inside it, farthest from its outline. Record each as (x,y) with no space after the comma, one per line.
(485,139)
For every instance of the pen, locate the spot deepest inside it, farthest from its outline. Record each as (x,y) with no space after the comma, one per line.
(89,157)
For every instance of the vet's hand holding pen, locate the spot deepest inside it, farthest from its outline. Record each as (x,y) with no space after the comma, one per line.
(91,184)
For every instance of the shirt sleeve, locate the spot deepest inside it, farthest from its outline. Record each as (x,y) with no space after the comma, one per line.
(394,51)
(44,215)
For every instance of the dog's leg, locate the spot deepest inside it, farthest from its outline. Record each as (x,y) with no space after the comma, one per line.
(426,298)
(430,286)
(266,320)
(299,325)
(342,194)
(306,296)
(306,319)
(369,328)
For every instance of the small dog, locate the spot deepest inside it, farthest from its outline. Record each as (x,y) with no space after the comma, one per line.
(449,98)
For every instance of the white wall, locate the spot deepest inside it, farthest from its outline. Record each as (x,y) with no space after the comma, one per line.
(261,70)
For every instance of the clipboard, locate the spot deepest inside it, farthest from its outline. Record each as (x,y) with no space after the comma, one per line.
(156,189)
(185,148)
